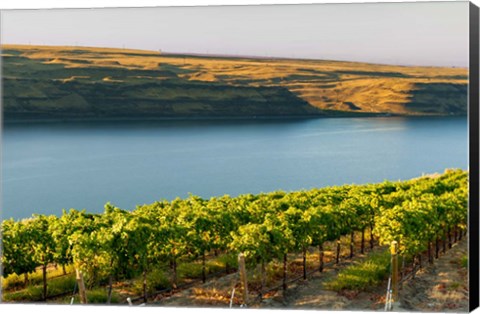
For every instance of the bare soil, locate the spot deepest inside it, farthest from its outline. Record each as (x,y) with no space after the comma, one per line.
(441,287)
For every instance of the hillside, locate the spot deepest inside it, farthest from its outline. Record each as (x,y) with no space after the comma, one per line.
(45,82)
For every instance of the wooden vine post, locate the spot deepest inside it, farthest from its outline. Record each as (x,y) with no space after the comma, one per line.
(243,277)
(429,250)
(394,263)
(337,258)
(449,234)
(81,286)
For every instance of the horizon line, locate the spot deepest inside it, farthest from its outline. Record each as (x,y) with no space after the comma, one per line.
(237,56)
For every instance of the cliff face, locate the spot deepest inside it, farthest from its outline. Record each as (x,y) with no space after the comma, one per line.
(77,99)
(439,98)
(65,82)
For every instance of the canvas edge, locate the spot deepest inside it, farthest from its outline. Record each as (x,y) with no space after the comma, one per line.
(1,155)
(473,120)
(473,111)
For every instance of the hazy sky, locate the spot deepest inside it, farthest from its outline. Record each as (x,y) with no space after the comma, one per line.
(434,33)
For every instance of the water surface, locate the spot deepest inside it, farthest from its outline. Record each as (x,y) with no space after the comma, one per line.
(51,166)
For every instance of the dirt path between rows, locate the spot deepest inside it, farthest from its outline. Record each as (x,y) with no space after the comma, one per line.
(300,294)
(311,294)
(441,287)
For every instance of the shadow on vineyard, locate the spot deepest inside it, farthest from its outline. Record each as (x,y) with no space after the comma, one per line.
(185,252)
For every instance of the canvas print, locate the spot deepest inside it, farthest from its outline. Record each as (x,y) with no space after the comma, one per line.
(274,156)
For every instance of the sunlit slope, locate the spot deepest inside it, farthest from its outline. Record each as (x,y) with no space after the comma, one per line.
(45,82)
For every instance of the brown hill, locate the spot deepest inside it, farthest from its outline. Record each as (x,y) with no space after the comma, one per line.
(82,82)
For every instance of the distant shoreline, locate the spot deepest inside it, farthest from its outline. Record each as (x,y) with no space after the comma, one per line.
(218,118)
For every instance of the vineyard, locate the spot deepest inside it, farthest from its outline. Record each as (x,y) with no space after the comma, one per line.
(165,246)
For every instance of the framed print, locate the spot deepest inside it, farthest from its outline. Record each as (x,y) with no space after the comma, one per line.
(317,156)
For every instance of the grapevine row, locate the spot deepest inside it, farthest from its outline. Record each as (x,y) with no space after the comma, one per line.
(120,244)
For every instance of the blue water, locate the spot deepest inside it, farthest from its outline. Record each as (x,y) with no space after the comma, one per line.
(51,166)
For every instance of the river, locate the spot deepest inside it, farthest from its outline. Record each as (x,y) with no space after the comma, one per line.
(51,166)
